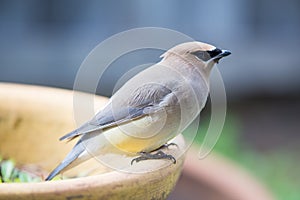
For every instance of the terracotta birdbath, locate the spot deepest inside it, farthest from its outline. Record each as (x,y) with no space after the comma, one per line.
(32,118)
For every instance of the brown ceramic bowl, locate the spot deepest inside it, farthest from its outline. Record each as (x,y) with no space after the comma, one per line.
(32,118)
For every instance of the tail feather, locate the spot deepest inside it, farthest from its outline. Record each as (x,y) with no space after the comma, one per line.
(71,157)
(85,128)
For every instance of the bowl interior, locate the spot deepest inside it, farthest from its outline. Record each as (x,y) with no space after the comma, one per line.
(32,119)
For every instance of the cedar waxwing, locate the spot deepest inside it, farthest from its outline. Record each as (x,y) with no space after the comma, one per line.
(149,109)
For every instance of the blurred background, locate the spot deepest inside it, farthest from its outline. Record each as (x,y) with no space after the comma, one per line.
(44,43)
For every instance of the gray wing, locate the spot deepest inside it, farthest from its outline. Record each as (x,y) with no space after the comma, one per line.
(144,100)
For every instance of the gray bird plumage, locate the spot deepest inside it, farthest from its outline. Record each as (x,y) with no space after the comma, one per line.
(167,96)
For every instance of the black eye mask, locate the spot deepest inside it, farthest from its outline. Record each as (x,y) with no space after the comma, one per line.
(214,52)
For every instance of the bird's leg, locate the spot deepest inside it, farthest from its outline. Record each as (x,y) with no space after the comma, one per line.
(156,155)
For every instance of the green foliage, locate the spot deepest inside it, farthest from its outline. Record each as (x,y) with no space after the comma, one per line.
(7,168)
(9,173)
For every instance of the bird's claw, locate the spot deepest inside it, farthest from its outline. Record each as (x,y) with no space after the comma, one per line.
(154,156)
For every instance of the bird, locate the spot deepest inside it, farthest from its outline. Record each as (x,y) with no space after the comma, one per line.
(150,109)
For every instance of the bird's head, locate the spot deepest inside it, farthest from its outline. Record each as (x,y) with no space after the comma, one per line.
(199,54)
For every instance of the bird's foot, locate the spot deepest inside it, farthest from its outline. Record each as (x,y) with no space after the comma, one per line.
(154,156)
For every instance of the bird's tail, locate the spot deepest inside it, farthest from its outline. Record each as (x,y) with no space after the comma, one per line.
(71,157)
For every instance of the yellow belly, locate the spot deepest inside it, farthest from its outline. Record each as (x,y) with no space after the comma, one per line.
(135,145)
(140,135)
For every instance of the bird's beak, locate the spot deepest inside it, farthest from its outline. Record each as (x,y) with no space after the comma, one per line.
(224,53)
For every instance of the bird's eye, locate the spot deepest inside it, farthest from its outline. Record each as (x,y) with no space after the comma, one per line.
(202,55)
(214,53)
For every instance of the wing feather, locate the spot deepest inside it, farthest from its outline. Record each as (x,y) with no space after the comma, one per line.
(143,101)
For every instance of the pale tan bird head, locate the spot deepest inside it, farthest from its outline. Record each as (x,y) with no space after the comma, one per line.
(199,54)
